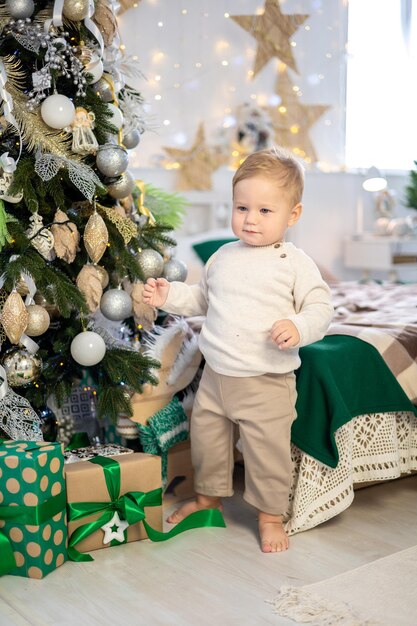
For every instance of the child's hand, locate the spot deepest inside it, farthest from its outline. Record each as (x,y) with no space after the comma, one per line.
(155,292)
(285,334)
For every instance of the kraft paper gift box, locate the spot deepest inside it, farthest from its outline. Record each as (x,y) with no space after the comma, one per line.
(33,530)
(93,496)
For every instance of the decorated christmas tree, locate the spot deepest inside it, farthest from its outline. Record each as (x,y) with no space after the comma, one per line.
(78,234)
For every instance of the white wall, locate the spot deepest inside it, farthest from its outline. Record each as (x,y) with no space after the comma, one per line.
(329,211)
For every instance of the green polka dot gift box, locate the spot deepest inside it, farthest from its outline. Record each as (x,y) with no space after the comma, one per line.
(33,526)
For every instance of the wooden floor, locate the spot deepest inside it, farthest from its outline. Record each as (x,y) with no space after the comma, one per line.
(213,576)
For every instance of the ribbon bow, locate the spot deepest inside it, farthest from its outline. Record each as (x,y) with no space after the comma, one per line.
(25,515)
(140,201)
(130,507)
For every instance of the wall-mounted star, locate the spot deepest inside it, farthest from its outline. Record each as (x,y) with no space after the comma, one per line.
(292,120)
(272,30)
(114,529)
(196,165)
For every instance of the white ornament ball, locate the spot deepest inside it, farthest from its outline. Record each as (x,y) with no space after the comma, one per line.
(116,305)
(20,9)
(175,270)
(94,68)
(57,111)
(88,348)
(131,139)
(116,116)
(151,263)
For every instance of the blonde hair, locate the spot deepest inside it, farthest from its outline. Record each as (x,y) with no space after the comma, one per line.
(275,163)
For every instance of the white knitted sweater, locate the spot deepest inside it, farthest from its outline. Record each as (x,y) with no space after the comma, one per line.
(243,291)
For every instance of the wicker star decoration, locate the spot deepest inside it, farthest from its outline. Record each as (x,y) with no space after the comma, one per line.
(196,165)
(272,30)
(292,120)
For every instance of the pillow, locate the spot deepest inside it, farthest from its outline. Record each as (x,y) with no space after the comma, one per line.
(205,249)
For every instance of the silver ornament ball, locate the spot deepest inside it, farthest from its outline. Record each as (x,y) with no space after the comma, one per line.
(111,160)
(20,9)
(151,263)
(103,89)
(175,270)
(122,187)
(22,368)
(75,10)
(131,139)
(116,305)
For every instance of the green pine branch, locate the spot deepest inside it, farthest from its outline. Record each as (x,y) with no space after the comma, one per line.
(167,208)
(411,190)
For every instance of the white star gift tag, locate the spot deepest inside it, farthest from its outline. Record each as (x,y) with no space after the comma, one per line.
(114,529)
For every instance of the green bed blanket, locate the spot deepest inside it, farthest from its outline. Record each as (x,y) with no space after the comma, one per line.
(340,378)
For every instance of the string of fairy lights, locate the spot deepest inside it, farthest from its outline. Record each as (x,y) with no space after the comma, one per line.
(200,68)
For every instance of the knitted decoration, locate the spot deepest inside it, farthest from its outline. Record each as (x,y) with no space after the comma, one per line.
(164,429)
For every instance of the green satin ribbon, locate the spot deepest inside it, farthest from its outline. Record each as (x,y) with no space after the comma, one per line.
(78,440)
(25,515)
(130,507)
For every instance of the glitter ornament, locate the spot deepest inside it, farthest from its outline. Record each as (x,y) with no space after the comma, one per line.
(116,305)
(96,237)
(116,116)
(122,187)
(75,10)
(57,111)
(14,317)
(20,9)
(103,89)
(38,320)
(88,348)
(22,368)
(112,160)
(151,263)
(175,270)
(131,139)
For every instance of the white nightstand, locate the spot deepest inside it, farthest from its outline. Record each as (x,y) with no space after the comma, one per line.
(369,252)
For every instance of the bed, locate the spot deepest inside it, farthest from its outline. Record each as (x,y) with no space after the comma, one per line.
(357,403)
(366,425)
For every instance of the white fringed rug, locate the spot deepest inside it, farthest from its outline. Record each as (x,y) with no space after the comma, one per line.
(381,593)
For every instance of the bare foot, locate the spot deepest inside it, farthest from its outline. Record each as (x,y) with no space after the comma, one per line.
(272,533)
(201,503)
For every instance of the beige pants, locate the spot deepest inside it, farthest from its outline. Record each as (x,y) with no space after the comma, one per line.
(264,409)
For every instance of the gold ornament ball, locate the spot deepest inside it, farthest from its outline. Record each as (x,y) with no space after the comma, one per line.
(75,10)
(38,322)
(22,368)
